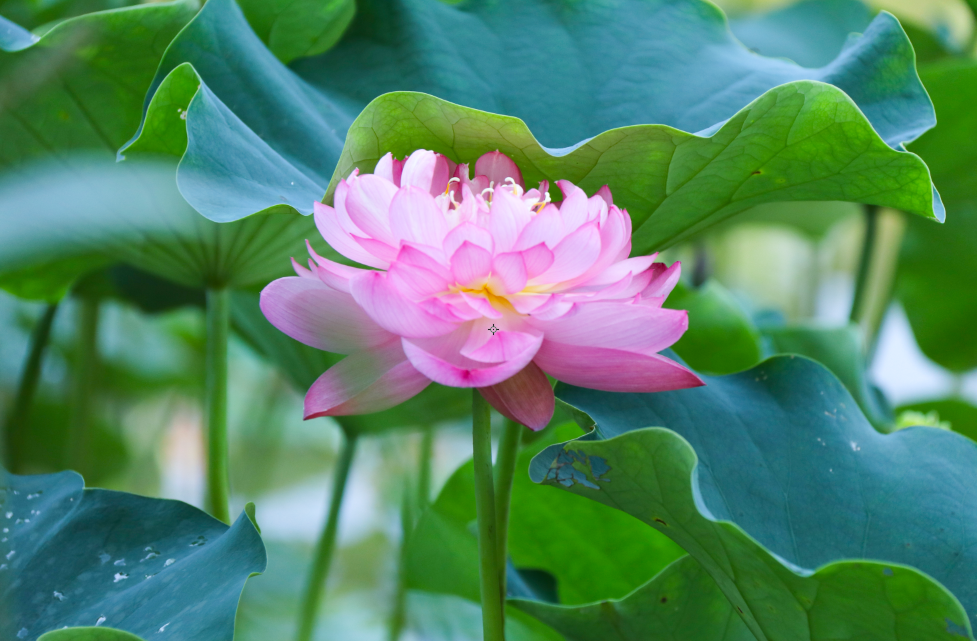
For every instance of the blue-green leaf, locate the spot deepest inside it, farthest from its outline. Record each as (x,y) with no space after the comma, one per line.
(812,523)
(259,134)
(155,568)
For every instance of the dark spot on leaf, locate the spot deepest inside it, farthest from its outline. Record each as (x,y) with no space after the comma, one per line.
(661,521)
(739,609)
(756,172)
(664,599)
(958,630)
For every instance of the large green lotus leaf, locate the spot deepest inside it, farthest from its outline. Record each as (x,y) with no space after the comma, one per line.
(841,350)
(961,415)
(813,525)
(259,134)
(810,32)
(101,211)
(721,338)
(293,29)
(303,365)
(445,617)
(156,568)
(88,633)
(681,603)
(42,16)
(80,86)
(937,277)
(545,529)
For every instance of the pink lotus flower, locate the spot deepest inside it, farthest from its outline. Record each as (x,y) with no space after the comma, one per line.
(477,283)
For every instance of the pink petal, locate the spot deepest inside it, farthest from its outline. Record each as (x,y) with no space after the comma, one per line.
(508,273)
(495,347)
(471,265)
(468,373)
(605,193)
(368,206)
(336,229)
(426,171)
(538,259)
(574,255)
(422,256)
(545,227)
(303,272)
(334,274)
(452,306)
(597,209)
(392,310)
(390,168)
(365,382)
(417,283)
(622,268)
(525,398)
(613,370)
(496,166)
(617,325)
(528,303)
(574,208)
(319,316)
(415,217)
(612,238)
(467,232)
(508,217)
(381,252)
(664,280)
(480,305)
(626,248)
(557,307)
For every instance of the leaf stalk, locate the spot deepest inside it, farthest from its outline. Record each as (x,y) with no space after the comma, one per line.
(493,616)
(218,329)
(316,581)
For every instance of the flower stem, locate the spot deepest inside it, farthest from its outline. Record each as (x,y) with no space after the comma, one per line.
(424,469)
(864,264)
(505,470)
(79,442)
(409,515)
(218,328)
(877,270)
(399,614)
(493,618)
(15,427)
(312,597)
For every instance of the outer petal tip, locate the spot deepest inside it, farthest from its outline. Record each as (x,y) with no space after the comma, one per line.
(525,398)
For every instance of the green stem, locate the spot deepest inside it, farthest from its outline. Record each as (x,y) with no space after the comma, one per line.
(505,470)
(15,428)
(79,454)
(218,328)
(864,264)
(424,469)
(316,580)
(493,617)
(877,272)
(399,614)
(409,513)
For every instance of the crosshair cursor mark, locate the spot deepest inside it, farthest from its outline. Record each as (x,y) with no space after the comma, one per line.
(494,329)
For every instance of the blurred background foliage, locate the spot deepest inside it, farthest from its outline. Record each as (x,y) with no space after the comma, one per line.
(118,386)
